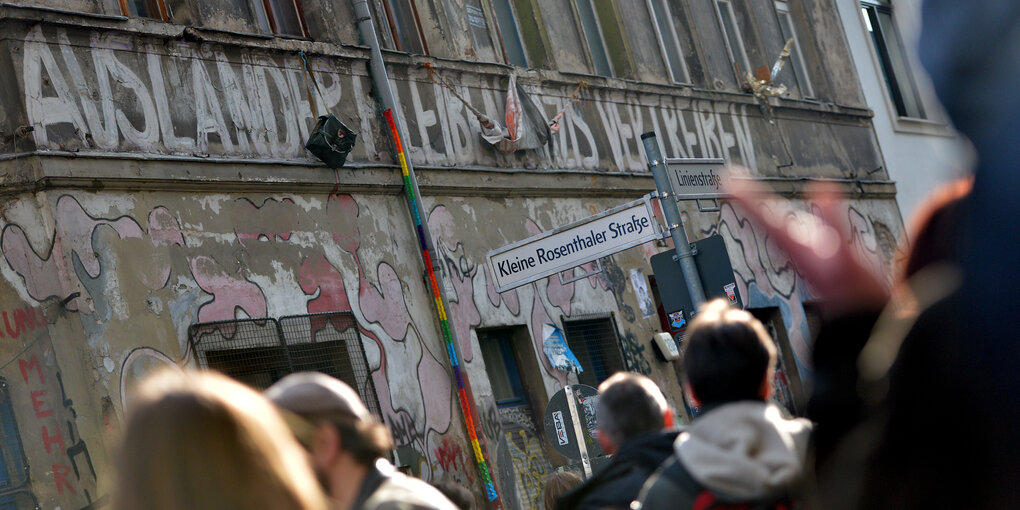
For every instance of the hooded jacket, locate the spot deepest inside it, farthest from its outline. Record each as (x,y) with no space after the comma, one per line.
(741,452)
(616,485)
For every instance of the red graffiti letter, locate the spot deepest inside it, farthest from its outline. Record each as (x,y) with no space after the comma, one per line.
(36,404)
(49,440)
(25,366)
(60,472)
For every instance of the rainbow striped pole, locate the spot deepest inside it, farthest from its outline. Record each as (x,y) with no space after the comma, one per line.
(451,350)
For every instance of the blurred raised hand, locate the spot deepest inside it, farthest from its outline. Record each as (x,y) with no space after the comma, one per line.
(818,245)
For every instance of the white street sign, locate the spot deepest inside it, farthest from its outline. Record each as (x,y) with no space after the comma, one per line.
(696,178)
(571,245)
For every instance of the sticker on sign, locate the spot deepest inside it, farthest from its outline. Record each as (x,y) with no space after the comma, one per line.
(571,245)
(696,178)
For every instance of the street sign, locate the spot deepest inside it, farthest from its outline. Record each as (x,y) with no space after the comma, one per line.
(574,244)
(570,414)
(692,179)
(713,263)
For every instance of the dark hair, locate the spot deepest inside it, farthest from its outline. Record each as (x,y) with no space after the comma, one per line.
(365,440)
(727,354)
(936,227)
(556,485)
(629,405)
(456,493)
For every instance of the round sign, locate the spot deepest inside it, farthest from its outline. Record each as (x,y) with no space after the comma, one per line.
(561,424)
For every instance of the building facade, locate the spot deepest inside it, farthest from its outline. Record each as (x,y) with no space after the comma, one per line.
(160,210)
(919,145)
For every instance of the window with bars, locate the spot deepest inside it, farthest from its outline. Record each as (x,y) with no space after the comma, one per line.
(259,352)
(892,58)
(594,341)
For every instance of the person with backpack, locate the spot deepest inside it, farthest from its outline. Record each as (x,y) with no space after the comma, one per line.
(740,452)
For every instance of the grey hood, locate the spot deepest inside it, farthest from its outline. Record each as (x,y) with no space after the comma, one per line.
(745,450)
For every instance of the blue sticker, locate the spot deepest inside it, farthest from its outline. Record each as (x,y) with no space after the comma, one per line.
(677,320)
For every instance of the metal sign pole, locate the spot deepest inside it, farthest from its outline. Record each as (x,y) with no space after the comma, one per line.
(576,418)
(684,253)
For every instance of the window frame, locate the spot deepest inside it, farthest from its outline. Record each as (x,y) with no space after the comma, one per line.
(391,23)
(594,34)
(744,59)
(299,13)
(164,13)
(609,350)
(797,62)
(662,43)
(501,32)
(894,91)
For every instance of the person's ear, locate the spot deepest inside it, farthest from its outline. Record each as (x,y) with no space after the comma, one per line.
(695,401)
(326,445)
(604,442)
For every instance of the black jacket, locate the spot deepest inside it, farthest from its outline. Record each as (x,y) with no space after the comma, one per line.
(616,485)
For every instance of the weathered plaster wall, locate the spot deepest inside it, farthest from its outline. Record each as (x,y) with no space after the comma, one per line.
(113,92)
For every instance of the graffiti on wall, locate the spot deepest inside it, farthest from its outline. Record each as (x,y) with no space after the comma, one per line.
(769,279)
(111,91)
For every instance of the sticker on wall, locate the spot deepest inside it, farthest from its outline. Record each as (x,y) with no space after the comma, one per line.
(731,292)
(677,320)
(556,349)
(561,428)
(644,298)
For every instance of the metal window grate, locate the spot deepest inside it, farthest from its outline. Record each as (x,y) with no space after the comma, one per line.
(13,464)
(259,352)
(330,343)
(594,341)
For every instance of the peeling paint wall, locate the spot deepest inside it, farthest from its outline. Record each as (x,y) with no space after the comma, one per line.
(158,180)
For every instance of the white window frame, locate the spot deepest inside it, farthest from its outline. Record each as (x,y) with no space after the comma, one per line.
(686,77)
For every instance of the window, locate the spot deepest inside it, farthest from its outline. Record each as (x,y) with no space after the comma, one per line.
(501,365)
(405,28)
(509,32)
(141,8)
(281,17)
(734,42)
(593,36)
(594,342)
(259,352)
(892,58)
(668,41)
(796,56)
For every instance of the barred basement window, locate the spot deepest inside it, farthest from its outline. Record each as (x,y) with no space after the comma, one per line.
(594,342)
(14,492)
(259,352)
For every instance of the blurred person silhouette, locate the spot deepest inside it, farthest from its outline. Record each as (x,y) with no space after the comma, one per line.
(740,450)
(556,485)
(199,440)
(634,426)
(348,446)
(456,493)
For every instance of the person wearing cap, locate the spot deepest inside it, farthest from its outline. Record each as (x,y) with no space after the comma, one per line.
(347,446)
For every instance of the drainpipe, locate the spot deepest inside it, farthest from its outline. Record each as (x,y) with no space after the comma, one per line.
(366,28)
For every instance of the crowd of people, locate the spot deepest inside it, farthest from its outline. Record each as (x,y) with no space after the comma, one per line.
(887,362)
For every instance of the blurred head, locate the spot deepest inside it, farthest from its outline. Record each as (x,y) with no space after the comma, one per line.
(556,485)
(728,355)
(199,440)
(323,400)
(629,405)
(457,493)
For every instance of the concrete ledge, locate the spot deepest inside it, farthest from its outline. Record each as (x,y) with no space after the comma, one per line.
(31,172)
